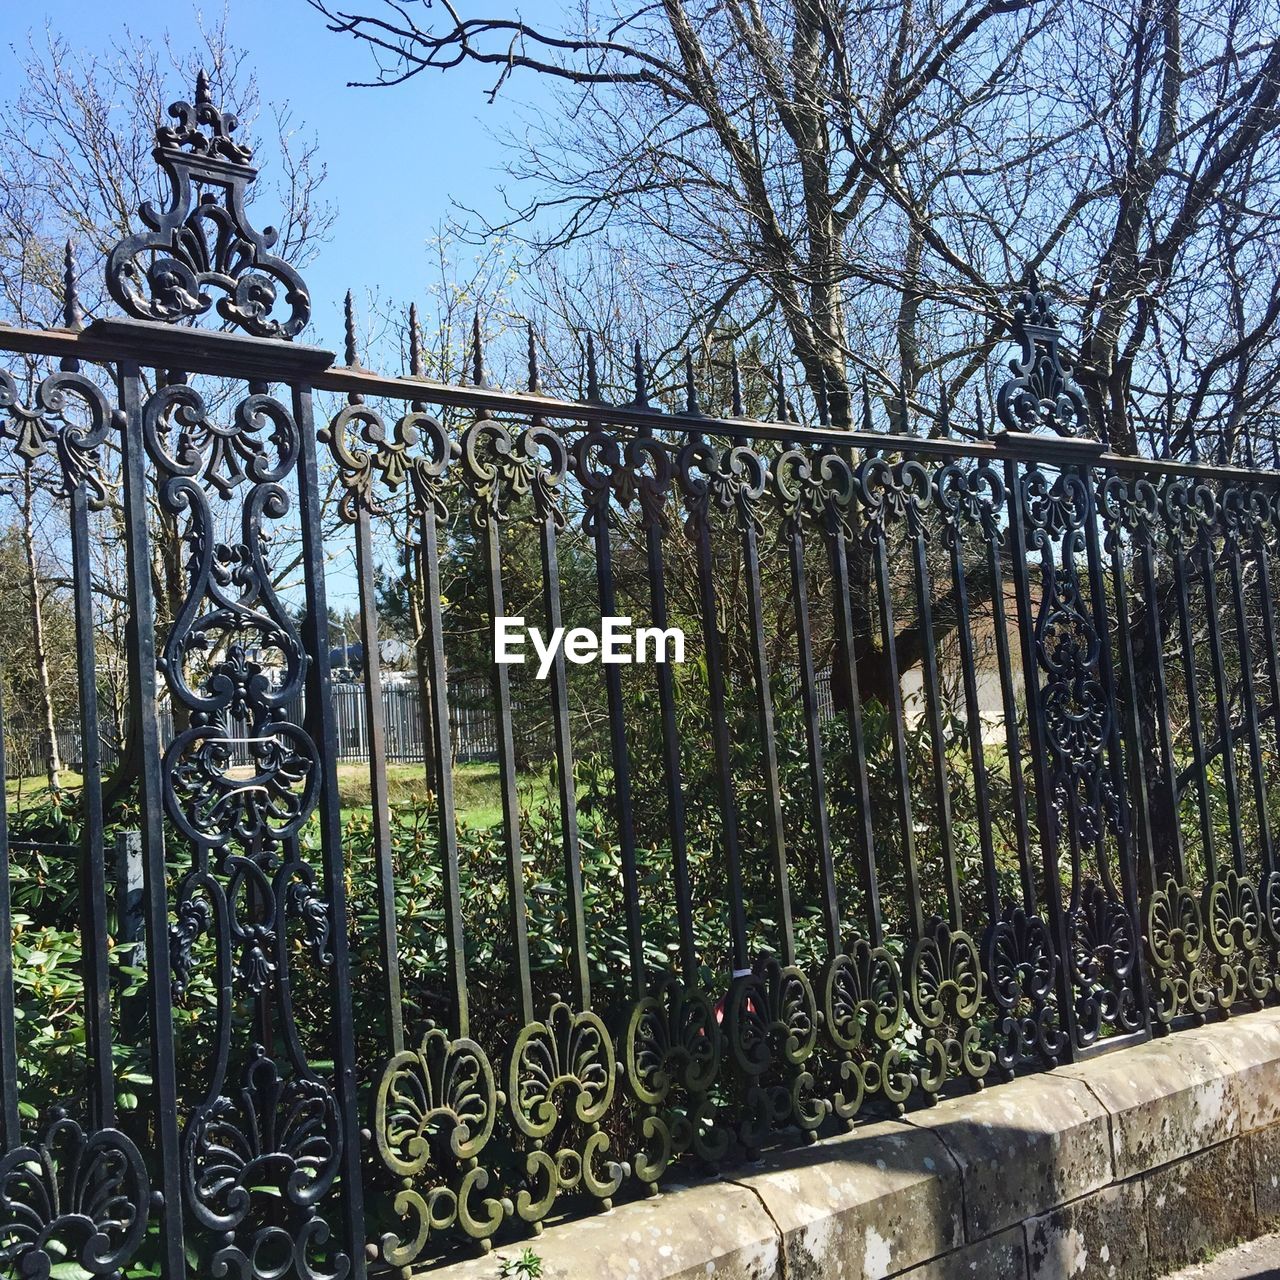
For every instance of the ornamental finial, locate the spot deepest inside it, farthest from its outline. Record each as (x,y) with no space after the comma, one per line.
(535,382)
(691,407)
(593,373)
(417,367)
(641,377)
(351,355)
(199,243)
(1042,393)
(820,395)
(477,352)
(780,410)
(72,311)
(735,382)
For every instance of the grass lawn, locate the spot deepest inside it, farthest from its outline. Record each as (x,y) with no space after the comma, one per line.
(477,796)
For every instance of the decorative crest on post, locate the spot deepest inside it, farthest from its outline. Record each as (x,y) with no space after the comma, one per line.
(203,242)
(1042,392)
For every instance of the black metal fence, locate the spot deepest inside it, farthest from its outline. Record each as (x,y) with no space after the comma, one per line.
(1038,823)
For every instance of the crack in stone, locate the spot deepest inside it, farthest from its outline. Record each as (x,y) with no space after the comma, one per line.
(782,1249)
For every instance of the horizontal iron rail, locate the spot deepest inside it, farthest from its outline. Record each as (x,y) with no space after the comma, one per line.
(230,355)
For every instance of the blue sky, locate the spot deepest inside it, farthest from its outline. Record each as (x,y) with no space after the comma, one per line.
(396,157)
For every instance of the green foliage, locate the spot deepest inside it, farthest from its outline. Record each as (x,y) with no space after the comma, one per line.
(527,1265)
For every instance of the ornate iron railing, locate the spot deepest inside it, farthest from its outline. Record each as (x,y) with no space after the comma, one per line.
(731,920)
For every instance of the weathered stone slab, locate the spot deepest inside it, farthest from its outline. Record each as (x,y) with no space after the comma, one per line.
(1264,1147)
(715,1230)
(1002,1257)
(1100,1237)
(1022,1148)
(1167,1099)
(864,1205)
(1250,1049)
(1200,1205)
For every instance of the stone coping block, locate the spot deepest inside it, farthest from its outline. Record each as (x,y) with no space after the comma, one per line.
(1060,1173)
(864,1205)
(1023,1147)
(1250,1048)
(713,1229)
(1167,1098)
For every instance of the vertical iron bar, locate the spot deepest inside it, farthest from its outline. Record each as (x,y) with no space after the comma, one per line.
(505,729)
(813,737)
(1128,699)
(1263,561)
(897,727)
(933,714)
(93,876)
(973,722)
(442,749)
(1250,703)
(837,554)
(379,797)
(720,742)
(1223,697)
(768,738)
(321,725)
(1195,727)
(1150,591)
(671,758)
(142,704)
(579,960)
(1012,738)
(619,757)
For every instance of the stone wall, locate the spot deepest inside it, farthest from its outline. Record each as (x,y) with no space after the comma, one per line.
(1129,1165)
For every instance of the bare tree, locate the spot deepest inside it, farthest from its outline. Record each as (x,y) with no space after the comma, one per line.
(875,180)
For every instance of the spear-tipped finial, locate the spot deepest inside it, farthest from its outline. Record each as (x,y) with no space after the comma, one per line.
(417,367)
(593,372)
(944,409)
(691,406)
(477,352)
(641,400)
(203,97)
(1195,447)
(735,382)
(868,423)
(535,383)
(979,418)
(72,311)
(350,354)
(349,332)
(779,395)
(1247,432)
(820,395)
